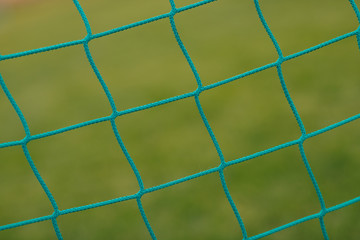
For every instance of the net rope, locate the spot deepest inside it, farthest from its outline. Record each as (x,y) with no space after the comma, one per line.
(195,94)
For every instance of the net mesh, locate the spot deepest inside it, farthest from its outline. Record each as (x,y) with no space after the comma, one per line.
(195,94)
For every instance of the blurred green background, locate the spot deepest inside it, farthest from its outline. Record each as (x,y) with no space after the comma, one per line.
(143,65)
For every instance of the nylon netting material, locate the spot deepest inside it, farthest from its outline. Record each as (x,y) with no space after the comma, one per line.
(223,164)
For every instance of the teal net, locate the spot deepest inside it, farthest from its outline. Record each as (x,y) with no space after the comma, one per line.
(195,94)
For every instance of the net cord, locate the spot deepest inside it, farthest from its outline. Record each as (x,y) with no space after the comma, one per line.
(195,94)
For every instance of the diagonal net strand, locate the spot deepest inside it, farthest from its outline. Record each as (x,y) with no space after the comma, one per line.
(29,159)
(297,117)
(204,119)
(113,107)
(195,94)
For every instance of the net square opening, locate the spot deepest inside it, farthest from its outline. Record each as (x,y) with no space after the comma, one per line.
(184,3)
(250,115)
(55,89)
(108,14)
(344,223)
(36,231)
(27,25)
(143,65)
(334,157)
(224,39)
(197,209)
(116,221)
(306,230)
(325,85)
(168,142)
(262,188)
(84,166)
(21,195)
(298,25)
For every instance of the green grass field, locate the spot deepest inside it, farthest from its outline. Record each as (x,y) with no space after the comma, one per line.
(143,65)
